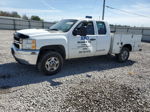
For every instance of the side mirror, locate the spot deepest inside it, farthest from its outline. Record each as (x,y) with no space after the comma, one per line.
(75,32)
(83,31)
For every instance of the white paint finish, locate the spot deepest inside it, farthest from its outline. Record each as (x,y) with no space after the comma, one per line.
(81,48)
(135,31)
(115,44)
(103,41)
(76,47)
(54,40)
(34,32)
(121,30)
(137,42)
(133,40)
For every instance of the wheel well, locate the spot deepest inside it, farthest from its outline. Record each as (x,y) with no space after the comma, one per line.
(128,46)
(57,48)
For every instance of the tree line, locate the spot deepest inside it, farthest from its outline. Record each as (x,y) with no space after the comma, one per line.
(16,15)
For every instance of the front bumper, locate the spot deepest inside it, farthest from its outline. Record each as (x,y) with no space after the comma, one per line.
(25,56)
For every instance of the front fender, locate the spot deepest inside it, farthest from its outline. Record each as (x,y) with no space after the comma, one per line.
(55,40)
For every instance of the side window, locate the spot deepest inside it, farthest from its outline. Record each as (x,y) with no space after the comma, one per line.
(101,28)
(89,27)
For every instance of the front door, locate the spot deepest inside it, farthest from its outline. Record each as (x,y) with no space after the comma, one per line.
(83,46)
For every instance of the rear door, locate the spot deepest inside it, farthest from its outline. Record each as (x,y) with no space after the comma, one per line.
(103,38)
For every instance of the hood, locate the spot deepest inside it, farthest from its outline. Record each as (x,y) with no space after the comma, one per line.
(39,32)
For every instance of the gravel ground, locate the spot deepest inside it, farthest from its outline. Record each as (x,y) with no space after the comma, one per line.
(91,84)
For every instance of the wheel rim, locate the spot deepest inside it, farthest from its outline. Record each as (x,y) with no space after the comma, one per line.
(124,55)
(52,64)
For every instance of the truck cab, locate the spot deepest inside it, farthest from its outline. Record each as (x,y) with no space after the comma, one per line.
(68,39)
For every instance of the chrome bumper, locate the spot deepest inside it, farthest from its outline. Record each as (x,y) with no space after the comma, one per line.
(25,56)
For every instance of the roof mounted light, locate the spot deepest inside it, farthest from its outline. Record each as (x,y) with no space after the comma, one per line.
(88,17)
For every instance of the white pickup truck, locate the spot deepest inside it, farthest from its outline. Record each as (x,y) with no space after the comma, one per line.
(68,39)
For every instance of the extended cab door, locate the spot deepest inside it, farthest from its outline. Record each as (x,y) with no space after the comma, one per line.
(103,38)
(83,46)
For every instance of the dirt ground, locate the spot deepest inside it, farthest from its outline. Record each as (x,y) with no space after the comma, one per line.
(84,85)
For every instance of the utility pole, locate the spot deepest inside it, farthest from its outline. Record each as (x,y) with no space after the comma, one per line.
(103,14)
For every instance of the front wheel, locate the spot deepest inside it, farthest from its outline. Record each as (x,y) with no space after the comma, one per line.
(51,63)
(123,56)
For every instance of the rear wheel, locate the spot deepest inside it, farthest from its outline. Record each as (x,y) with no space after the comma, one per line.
(123,56)
(50,63)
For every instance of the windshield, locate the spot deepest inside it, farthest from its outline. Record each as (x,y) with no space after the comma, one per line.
(63,25)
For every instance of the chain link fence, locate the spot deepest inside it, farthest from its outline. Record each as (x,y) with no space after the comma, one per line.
(8,23)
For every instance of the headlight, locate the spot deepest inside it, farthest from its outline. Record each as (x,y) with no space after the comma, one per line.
(29,44)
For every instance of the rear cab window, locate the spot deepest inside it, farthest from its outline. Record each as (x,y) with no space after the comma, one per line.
(90,28)
(101,28)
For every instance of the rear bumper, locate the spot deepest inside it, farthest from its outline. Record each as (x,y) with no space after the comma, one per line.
(28,57)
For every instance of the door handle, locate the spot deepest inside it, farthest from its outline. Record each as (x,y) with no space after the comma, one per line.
(92,39)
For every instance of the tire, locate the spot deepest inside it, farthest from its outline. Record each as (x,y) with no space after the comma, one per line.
(123,56)
(50,63)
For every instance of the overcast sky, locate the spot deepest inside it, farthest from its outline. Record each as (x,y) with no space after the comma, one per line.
(53,10)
